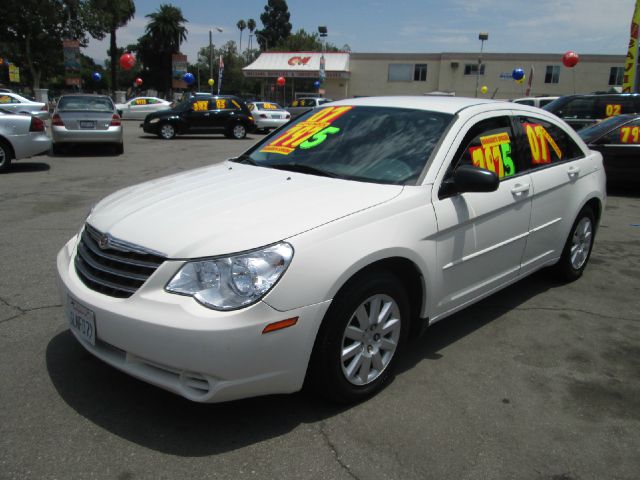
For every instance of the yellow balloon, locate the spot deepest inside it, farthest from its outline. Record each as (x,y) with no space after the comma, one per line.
(521,81)
(484,89)
(211,82)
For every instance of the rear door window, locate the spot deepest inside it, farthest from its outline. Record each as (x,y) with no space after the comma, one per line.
(545,143)
(611,106)
(580,108)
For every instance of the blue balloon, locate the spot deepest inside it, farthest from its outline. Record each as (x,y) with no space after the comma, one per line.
(97,76)
(517,74)
(188,78)
(316,84)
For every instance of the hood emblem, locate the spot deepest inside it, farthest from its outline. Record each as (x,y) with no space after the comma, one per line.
(104,242)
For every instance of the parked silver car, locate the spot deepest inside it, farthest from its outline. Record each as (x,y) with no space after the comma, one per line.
(18,104)
(21,136)
(82,118)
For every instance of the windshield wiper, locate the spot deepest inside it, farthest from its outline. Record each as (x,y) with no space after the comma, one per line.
(298,167)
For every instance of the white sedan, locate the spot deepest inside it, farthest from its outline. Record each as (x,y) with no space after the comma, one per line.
(18,104)
(268,115)
(139,107)
(21,136)
(316,254)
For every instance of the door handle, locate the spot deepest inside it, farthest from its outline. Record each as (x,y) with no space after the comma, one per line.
(520,188)
(573,171)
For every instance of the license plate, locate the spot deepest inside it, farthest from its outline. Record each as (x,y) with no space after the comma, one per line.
(82,321)
(87,124)
(276,116)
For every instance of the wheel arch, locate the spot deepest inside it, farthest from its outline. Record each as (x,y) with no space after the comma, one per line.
(7,143)
(408,273)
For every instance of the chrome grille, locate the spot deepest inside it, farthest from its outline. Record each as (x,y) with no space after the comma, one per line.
(113,267)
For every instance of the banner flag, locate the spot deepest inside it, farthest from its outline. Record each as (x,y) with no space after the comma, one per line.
(630,78)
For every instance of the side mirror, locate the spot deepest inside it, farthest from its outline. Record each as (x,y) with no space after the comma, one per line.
(467,178)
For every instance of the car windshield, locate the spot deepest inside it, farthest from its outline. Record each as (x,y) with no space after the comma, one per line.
(94,104)
(371,144)
(599,129)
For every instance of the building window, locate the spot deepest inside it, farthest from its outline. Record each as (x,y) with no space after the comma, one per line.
(615,76)
(420,72)
(472,69)
(400,72)
(552,74)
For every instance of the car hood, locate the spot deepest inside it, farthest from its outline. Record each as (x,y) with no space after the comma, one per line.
(230,207)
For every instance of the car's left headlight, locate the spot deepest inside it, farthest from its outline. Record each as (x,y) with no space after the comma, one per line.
(232,282)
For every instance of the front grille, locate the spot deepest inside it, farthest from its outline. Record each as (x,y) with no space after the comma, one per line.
(116,268)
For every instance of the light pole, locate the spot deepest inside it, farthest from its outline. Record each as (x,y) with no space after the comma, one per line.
(482,37)
(322,30)
(211,54)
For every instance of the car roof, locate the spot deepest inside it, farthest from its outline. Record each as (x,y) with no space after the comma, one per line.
(451,105)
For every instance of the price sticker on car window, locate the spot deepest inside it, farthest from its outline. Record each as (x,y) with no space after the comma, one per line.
(539,142)
(5,99)
(494,154)
(236,104)
(269,106)
(141,101)
(221,104)
(630,135)
(308,134)
(201,106)
(612,109)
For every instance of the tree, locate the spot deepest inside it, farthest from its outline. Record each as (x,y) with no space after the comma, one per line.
(112,14)
(251,25)
(31,34)
(301,41)
(241,26)
(276,24)
(163,36)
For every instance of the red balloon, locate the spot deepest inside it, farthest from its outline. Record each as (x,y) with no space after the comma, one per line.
(281,81)
(138,81)
(570,59)
(127,61)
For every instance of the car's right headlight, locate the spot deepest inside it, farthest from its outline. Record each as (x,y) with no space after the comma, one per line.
(232,282)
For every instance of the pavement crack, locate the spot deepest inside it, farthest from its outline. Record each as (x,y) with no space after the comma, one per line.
(334,451)
(23,311)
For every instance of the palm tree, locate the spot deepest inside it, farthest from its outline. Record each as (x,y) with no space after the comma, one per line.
(241,26)
(167,24)
(115,14)
(251,25)
(165,32)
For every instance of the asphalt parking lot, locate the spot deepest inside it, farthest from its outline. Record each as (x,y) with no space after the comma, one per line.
(540,381)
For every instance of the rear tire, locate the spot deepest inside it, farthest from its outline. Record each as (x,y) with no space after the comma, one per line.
(238,131)
(118,148)
(6,155)
(578,246)
(360,339)
(56,149)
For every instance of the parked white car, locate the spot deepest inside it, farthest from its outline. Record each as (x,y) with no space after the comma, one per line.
(139,107)
(538,102)
(317,253)
(268,115)
(19,104)
(21,136)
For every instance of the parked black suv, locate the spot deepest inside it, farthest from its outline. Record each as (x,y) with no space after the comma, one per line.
(583,110)
(202,113)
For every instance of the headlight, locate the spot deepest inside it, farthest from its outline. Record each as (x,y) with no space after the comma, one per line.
(228,283)
(154,120)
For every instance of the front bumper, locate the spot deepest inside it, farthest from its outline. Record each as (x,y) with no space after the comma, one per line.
(63,135)
(173,342)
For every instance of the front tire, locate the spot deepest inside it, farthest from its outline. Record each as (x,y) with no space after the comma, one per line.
(577,249)
(166,131)
(361,337)
(6,155)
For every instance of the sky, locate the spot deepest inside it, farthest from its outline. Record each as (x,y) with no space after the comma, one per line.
(410,26)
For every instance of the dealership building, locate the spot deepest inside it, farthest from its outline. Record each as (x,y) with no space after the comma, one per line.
(350,75)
